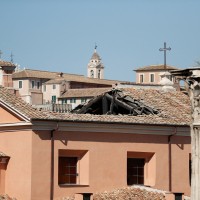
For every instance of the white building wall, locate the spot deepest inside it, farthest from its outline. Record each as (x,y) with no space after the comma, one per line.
(47,95)
(24,91)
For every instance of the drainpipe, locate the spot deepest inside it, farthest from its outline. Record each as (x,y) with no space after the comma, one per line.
(52,163)
(170,158)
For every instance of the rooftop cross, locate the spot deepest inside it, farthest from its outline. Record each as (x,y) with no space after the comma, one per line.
(165,49)
(0,54)
(95,47)
(11,57)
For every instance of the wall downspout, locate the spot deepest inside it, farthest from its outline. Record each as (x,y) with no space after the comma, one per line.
(52,163)
(170,158)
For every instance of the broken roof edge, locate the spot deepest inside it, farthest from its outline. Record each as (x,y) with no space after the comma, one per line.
(118,103)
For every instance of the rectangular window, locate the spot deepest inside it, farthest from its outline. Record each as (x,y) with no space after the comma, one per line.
(73,167)
(83,100)
(67,170)
(38,85)
(64,101)
(141,78)
(32,84)
(152,78)
(72,100)
(135,171)
(178,196)
(53,98)
(54,86)
(20,84)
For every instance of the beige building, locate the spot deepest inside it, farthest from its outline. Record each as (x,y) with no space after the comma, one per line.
(50,155)
(41,87)
(152,74)
(80,96)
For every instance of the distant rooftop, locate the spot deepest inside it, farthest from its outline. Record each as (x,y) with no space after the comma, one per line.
(6,64)
(30,73)
(156,67)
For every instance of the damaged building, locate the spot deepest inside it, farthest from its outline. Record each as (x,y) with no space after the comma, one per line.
(114,102)
(119,138)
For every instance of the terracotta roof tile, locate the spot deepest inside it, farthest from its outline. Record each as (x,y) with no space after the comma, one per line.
(155,67)
(18,104)
(131,193)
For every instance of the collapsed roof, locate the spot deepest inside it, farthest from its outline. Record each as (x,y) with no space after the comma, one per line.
(114,102)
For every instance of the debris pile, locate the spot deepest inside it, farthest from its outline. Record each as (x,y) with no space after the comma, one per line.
(130,193)
(114,102)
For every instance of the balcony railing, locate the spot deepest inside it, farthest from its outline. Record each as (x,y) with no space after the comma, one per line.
(61,108)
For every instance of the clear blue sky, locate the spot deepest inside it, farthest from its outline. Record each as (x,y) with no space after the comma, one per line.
(60,35)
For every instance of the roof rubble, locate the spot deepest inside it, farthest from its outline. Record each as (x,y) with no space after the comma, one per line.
(114,102)
(130,193)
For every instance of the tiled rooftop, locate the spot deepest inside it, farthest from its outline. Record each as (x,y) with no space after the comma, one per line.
(29,73)
(85,92)
(155,67)
(18,104)
(174,109)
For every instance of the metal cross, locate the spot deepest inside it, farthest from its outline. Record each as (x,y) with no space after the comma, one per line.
(95,47)
(1,53)
(11,57)
(165,49)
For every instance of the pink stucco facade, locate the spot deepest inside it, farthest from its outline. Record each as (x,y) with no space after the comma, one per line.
(102,151)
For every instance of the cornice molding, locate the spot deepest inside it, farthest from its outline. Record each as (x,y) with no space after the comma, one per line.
(112,128)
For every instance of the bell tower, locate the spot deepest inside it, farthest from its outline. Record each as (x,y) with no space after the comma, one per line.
(95,66)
